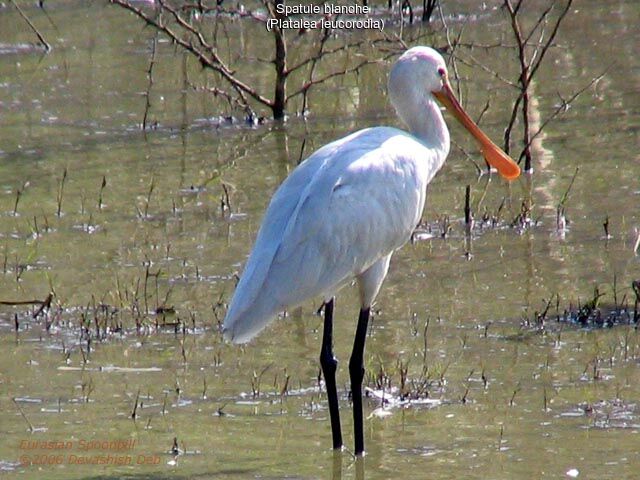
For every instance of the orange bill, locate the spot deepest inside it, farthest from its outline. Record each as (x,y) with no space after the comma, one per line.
(494,155)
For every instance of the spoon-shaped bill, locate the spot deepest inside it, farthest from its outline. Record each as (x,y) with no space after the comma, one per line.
(494,155)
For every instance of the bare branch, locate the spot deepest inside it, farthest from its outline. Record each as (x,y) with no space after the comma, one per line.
(147,94)
(213,62)
(475,63)
(329,76)
(44,43)
(528,69)
(549,42)
(564,106)
(184,24)
(542,18)
(314,63)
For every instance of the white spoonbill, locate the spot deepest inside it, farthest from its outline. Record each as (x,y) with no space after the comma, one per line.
(342,213)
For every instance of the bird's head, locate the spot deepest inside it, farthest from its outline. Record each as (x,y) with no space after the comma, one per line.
(421,71)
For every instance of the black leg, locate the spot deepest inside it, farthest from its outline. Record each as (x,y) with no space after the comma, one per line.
(329,365)
(356,371)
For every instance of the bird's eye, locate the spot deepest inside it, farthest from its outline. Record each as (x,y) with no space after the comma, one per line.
(442,72)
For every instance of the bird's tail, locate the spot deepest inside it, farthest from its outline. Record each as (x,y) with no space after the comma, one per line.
(243,322)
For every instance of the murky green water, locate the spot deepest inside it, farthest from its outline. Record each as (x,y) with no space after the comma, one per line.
(508,402)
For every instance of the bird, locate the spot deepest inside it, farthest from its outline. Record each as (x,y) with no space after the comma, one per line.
(342,213)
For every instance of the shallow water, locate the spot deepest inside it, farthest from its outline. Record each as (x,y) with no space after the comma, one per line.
(155,246)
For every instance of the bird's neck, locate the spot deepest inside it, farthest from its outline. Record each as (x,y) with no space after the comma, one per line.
(425,121)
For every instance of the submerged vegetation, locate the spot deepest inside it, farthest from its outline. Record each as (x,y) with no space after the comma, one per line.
(120,246)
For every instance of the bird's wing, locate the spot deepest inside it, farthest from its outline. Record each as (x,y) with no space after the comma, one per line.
(348,205)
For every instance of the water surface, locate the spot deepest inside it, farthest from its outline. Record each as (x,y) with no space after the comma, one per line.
(142,267)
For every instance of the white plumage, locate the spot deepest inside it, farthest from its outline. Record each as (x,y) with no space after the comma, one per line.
(342,213)
(351,203)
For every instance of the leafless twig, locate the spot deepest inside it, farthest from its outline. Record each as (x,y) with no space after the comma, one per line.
(186,25)
(147,94)
(563,107)
(530,62)
(44,43)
